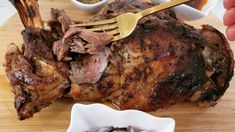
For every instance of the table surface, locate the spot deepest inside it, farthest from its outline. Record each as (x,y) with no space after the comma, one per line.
(56,117)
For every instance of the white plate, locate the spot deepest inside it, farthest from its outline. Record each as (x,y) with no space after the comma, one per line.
(91,8)
(86,117)
(188,13)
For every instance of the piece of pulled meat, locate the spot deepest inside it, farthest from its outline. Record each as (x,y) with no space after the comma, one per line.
(91,47)
(82,41)
(89,70)
(63,19)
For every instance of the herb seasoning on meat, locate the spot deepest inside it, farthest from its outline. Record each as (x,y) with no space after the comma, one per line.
(163,62)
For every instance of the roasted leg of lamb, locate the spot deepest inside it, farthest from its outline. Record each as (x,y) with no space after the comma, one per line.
(163,62)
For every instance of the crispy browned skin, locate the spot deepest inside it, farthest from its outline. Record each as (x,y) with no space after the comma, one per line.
(36,83)
(36,78)
(162,63)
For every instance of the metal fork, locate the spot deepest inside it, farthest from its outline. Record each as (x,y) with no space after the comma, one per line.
(123,25)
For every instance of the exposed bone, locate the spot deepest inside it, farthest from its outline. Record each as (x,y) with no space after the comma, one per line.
(29,12)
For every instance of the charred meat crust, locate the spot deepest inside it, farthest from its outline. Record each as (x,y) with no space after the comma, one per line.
(37,79)
(222,61)
(163,62)
(159,75)
(166,68)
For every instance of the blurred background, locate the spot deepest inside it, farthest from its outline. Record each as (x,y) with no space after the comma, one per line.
(7,10)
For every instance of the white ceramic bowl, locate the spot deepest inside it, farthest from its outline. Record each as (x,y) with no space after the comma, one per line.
(86,117)
(91,8)
(188,13)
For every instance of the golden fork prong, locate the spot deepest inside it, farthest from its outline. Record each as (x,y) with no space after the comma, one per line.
(96,23)
(103,28)
(117,37)
(113,32)
(123,25)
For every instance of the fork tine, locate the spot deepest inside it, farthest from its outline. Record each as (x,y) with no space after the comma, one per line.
(117,37)
(96,23)
(113,32)
(103,28)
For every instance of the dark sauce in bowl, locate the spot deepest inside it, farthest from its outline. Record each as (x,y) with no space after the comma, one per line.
(197,4)
(89,1)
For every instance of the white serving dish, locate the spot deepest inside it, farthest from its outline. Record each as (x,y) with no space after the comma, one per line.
(188,13)
(86,117)
(91,8)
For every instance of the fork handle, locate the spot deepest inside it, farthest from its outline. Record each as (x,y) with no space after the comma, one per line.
(162,6)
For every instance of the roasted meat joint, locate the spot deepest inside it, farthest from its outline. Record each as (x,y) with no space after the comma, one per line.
(163,62)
